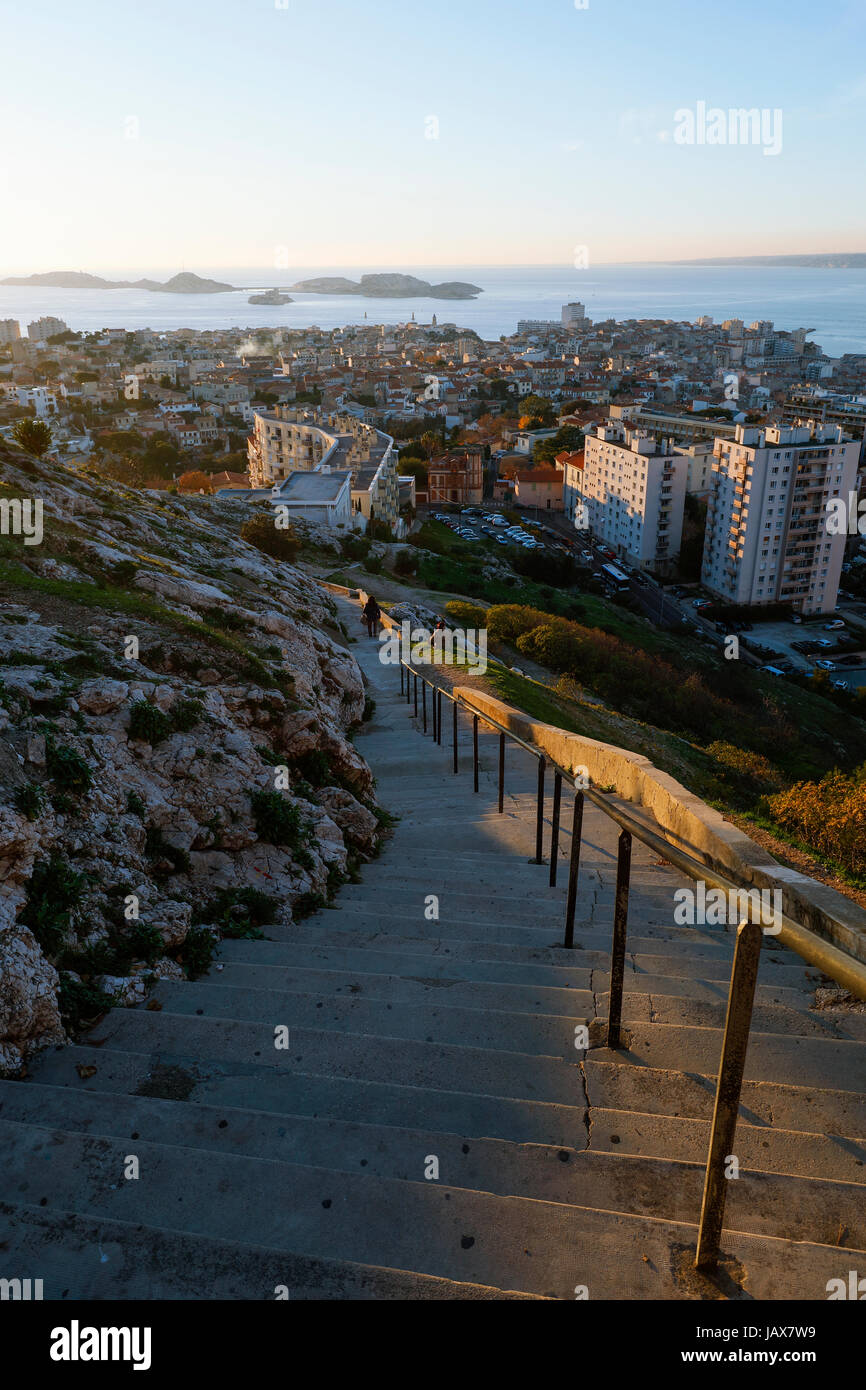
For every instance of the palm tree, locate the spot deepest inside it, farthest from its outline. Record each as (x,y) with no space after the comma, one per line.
(430,442)
(34,436)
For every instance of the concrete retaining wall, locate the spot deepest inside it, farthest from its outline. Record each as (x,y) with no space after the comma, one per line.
(688,823)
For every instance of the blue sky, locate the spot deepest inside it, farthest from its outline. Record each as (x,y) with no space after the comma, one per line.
(238,133)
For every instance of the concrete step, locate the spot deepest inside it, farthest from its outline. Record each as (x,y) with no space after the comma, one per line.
(318,1094)
(256,963)
(259,993)
(761,1201)
(83,1258)
(434,1229)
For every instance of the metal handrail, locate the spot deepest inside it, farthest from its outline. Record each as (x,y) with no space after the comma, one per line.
(845,969)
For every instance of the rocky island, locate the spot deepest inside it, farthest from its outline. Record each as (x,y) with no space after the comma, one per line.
(270,297)
(184,283)
(389,286)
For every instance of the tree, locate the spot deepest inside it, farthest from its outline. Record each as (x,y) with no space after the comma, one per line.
(194,481)
(34,436)
(261,530)
(537,413)
(430,442)
(568,437)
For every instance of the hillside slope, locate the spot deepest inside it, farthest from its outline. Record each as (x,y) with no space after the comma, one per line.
(156,673)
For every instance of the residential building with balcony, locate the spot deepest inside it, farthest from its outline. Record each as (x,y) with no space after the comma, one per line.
(630,490)
(289,440)
(767,538)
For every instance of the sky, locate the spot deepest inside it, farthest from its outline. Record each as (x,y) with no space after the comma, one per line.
(400,133)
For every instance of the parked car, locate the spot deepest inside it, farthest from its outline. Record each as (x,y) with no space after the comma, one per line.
(826,665)
(701,603)
(841,685)
(587,555)
(836,623)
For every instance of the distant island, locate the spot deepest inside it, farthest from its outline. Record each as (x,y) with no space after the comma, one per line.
(270,297)
(842,260)
(184,283)
(389,286)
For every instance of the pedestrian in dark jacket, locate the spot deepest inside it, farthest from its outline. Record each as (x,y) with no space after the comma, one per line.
(372,613)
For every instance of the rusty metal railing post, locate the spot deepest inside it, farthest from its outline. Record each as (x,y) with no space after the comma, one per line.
(415,694)
(501,773)
(475,751)
(424,703)
(433,711)
(408,686)
(401,678)
(539,815)
(454,733)
(617,950)
(741,999)
(573,870)
(554,834)
(439,718)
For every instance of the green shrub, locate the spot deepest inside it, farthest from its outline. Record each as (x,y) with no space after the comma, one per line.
(314,767)
(68,770)
(29,800)
(262,531)
(241,912)
(197,952)
(145,943)
(80,1004)
(466,615)
(406,562)
(185,714)
(148,723)
(53,892)
(135,806)
(277,821)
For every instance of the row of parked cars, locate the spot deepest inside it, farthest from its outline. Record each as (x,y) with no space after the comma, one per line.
(472,524)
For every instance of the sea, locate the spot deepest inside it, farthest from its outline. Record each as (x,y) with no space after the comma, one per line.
(830,303)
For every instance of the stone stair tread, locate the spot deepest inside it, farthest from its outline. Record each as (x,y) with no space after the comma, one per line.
(452,1232)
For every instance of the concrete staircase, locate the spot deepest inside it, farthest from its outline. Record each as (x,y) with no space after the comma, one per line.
(432,1132)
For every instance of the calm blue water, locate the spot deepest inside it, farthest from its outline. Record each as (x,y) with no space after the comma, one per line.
(833,302)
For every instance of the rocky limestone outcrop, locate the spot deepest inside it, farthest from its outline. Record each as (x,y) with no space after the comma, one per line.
(175,751)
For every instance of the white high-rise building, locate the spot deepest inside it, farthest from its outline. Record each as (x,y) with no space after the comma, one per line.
(573,315)
(10,331)
(630,492)
(767,537)
(45,328)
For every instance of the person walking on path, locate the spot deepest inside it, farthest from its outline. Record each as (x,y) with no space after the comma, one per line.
(372,613)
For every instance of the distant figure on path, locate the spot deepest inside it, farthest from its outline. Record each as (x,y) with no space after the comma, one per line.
(372,613)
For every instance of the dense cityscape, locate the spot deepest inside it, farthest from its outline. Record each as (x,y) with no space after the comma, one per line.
(432,679)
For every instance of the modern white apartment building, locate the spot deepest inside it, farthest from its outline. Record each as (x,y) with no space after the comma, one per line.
(288,440)
(699,457)
(631,493)
(10,331)
(767,536)
(573,315)
(44,328)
